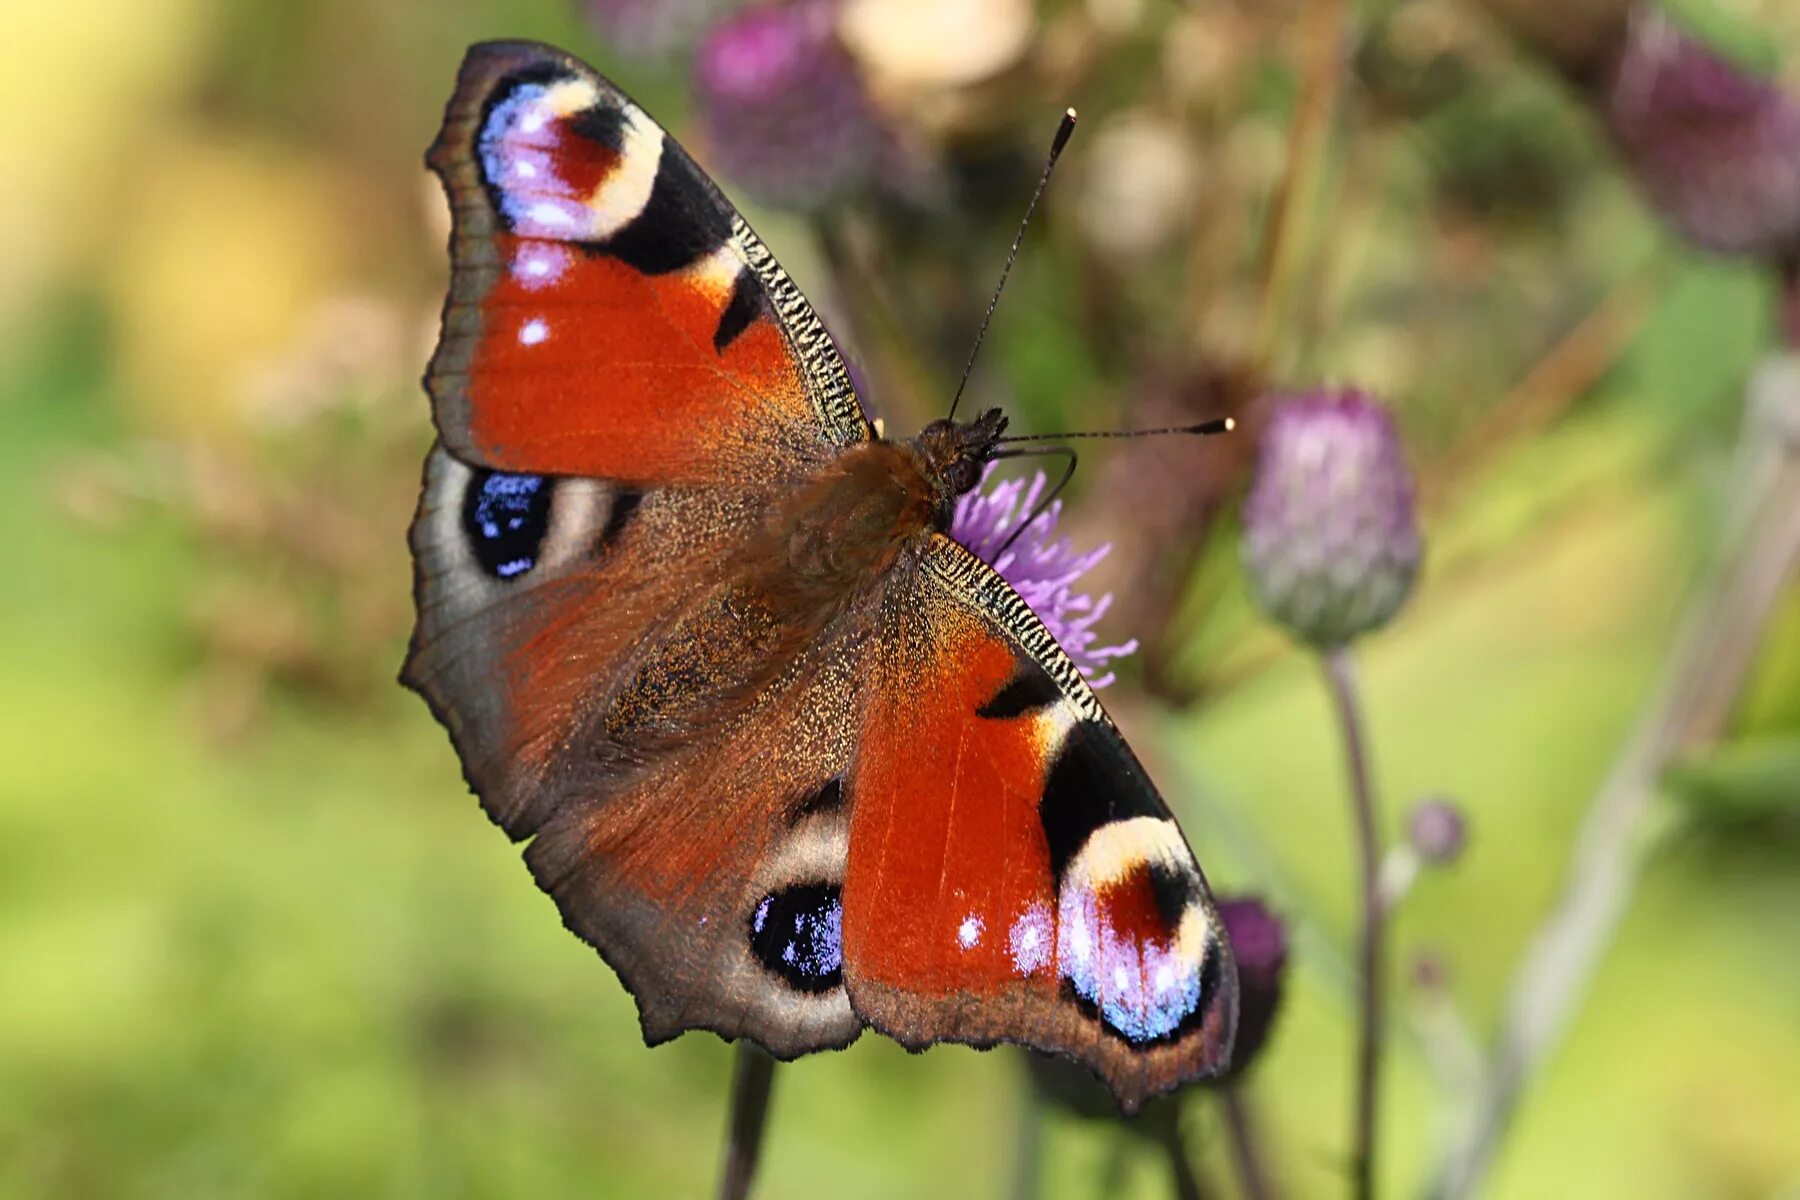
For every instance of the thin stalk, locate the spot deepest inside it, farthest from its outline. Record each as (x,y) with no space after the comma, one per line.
(1702,677)
(1028,1150)
(752,1079)
(1325,26)
(1244,1148)
(1340,671)
(1182,1178)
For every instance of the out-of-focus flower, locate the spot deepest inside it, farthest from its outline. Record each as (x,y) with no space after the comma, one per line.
(225,250)
(914,46)
(1716,148)
(782,108)
(1330,545)
(651,28)
(1259,944)
(1042,567)
(1138,184)
(1438,831)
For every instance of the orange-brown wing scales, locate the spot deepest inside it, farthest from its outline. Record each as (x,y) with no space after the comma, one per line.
(1013,875)
(610,314)
(538,598)
(712,883)
(579,664)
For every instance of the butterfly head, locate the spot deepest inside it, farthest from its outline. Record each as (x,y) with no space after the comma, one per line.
(954,453)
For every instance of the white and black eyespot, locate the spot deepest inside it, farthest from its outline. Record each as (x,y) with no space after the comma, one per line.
(505,519)
(797,934)
(1135,945)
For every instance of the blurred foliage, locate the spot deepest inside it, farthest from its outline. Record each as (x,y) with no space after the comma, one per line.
(255,938)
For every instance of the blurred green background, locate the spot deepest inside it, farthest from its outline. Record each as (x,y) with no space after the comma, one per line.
(256,938)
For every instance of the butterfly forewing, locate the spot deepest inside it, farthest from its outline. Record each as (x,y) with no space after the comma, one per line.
(625,383)
(610,314)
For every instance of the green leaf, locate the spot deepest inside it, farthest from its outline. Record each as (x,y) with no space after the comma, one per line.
(1748,780)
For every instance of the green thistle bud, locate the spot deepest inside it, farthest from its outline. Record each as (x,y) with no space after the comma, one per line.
(1330,545)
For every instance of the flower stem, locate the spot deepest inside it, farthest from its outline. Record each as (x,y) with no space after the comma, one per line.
(1251,1175)
(1028,1148)
(1702,677)
(752,1078)
(1325,28)
(1340,671)
(1789,303)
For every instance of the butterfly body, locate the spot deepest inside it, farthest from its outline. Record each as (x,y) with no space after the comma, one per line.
(790,757)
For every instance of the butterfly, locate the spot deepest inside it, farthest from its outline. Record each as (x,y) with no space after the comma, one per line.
(791,758)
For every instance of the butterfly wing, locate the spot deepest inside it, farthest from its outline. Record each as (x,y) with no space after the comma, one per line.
(624,381)
(625,384)
(1013,874)
(610,314)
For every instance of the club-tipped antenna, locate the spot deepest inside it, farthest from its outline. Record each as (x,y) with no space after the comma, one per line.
(1063,132)
(1216,425)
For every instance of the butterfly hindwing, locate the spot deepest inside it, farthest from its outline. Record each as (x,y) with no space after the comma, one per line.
(610,314)
(712,878)
(1013,874)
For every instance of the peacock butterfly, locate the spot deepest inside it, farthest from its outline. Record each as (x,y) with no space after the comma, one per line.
(791,758)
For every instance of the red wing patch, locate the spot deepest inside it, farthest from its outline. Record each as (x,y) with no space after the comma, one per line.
(610,314)
(1013,875)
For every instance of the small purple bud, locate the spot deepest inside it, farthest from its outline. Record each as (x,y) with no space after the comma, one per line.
(1330,545)
(1259,944)
(783,109)
(1438,832)
(1716,148)
(1429,971)
(1041,567)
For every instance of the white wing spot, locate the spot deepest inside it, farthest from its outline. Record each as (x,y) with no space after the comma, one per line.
(533,332)
(552,215)
(969,932)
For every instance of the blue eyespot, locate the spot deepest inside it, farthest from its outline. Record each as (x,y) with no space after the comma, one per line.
(798,933)
(506,518)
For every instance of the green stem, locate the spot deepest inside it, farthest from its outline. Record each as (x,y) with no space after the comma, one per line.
(752,1079)
(1251,1174)
(1340,671)
(1703,676)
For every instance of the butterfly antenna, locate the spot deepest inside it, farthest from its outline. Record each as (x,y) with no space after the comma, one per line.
(1039,508)
(1216,425)
(1063,132)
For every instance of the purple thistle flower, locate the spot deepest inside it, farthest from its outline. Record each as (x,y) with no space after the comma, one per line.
(1330,542)
(1716,148)
(1041,567)
(1259,945)
(782,106)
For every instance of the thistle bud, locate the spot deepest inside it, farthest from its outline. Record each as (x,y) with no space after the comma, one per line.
(1714,146)
(783,109)
(1259,944)
(1437,831)
(1330,545)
